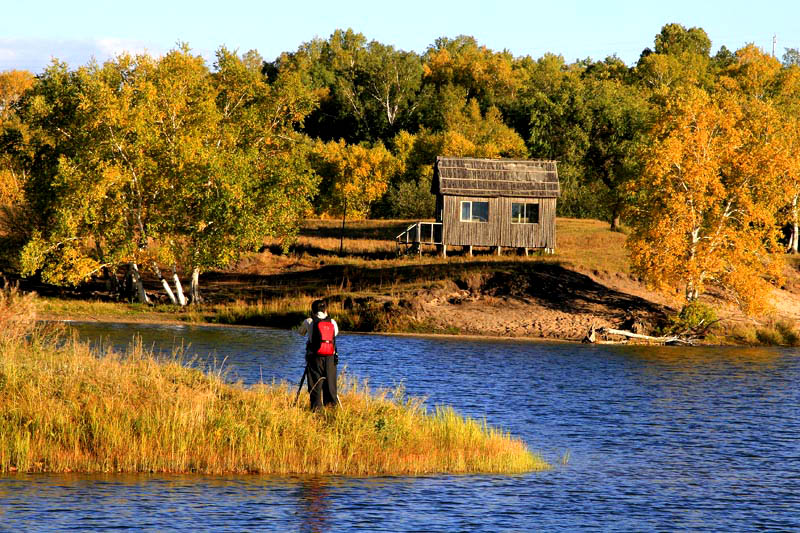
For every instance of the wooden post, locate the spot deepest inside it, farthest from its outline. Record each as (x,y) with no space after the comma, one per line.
(499,250)
(469,250)
(444,250)
(526,251)
(341,235)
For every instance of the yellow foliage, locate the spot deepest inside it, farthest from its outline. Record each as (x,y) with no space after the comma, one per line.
(354,176)
(470,134)
(705,204)
(13,84)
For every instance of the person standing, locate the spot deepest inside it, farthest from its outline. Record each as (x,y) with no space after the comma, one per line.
(320,331)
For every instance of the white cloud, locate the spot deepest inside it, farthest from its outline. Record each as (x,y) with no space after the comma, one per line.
(113,47)
(35,54)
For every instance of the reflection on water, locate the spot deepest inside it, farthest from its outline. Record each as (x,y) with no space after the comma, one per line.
(314,496)
(658,439)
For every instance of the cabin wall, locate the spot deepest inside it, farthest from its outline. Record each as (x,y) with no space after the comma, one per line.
(541,235)
(460,233)
(499,231)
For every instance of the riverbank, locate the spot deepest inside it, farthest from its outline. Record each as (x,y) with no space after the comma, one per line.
(586,284)
(64,408)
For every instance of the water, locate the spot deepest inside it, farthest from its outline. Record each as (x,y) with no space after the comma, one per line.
(665,439)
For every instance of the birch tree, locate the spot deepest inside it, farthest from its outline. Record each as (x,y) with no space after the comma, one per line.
(705,204)
(160,162)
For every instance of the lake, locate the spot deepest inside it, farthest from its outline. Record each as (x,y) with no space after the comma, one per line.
(642,439)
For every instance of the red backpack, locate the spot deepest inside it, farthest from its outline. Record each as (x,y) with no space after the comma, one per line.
(323,337)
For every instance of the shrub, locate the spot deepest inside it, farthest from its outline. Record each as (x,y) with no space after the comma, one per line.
(694,319)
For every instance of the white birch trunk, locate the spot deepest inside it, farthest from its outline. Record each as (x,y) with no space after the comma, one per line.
(137,280)
(794,241)
(195,289)
(164,284)
(178,286)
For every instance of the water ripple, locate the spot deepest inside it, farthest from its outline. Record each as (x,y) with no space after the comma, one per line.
(657,438)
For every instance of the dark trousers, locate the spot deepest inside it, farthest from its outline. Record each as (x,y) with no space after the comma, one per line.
(322,380)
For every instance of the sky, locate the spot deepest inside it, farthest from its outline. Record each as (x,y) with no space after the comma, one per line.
(34,32)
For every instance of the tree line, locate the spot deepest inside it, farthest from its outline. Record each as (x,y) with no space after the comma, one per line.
(146,161)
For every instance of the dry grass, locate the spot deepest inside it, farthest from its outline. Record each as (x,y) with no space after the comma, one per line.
(582,243)
(64,408)
(275,289)
(590,245)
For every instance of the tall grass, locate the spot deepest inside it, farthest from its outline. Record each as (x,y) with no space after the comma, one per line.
(66,408)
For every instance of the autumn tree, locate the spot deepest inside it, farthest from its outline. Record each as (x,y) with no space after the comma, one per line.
(13,132)
(468,133)
(482,74)
(680,59)
(63,188)
(204,166)
(787,100)
(353,176)
(705,204)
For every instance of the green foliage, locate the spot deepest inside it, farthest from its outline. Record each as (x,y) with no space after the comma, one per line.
(695,318)
(675,39)
(106,160)
(791,57)
(368,90)
(781,333)
(410,199)
(141,150)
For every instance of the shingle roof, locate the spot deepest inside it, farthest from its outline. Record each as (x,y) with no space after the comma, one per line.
(465,176)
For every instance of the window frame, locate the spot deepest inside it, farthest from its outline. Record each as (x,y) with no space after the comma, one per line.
(525,206)
(471,211)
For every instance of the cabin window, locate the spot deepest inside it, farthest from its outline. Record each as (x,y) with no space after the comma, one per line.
(474,211)
(524,213)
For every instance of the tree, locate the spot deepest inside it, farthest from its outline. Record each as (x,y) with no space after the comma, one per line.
(791,57)
(13,85)
(551,114)
(162,152)
(13,173)
(618,118)
(675,39)
(368,90)
(66,189)
(483,74)
(353,176)
(787,101)
(681,58)
(704,209)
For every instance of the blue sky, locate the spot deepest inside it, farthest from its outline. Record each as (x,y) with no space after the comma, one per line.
(32,32)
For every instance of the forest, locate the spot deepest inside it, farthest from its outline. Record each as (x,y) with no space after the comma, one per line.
(170,163)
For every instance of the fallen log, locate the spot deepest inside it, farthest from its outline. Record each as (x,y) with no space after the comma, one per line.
(649,338)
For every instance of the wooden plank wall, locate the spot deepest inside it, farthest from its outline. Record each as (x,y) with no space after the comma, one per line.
(469,233)
(499,231)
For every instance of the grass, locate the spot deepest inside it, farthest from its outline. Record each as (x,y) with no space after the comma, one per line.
(774,333)
(66,408)
(273,289)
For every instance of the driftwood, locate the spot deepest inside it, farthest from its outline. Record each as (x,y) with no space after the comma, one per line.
(591,338)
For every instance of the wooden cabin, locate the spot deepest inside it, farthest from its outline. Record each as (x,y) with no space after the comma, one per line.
(499,203)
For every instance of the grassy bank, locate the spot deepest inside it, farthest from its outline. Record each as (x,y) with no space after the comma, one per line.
(64,408)
(372,289)
(369,286)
